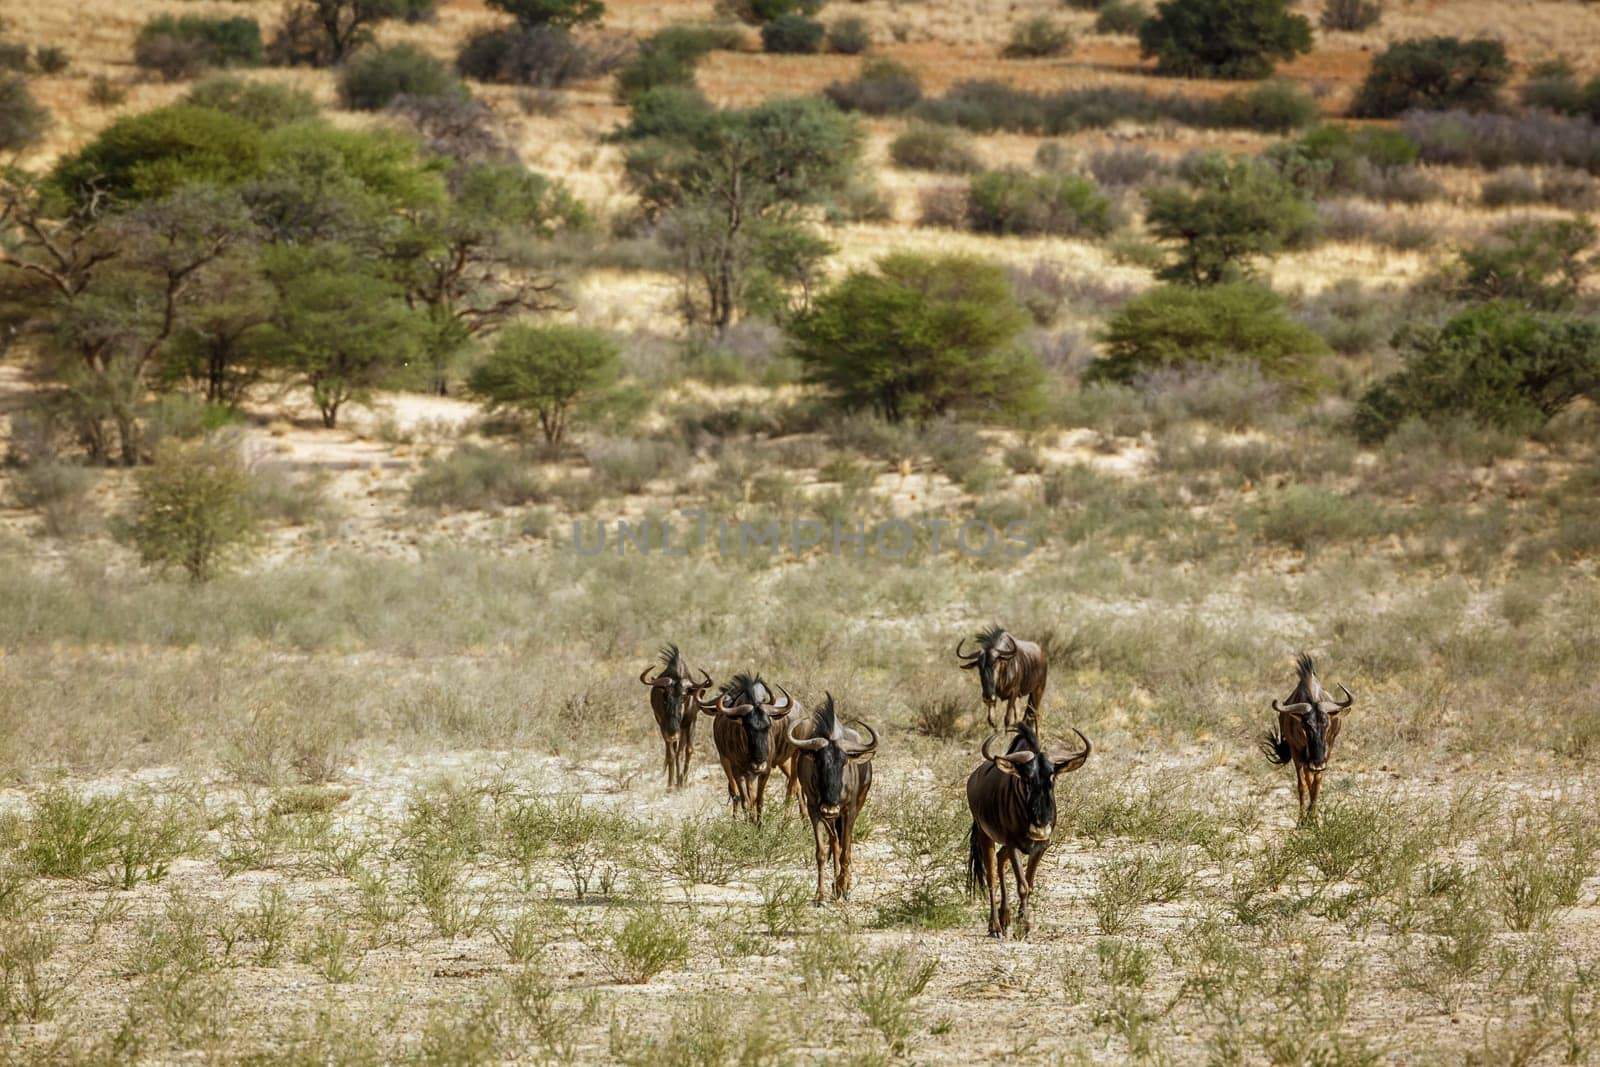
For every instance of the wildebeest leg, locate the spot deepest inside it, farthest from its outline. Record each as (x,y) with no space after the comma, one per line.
(1036,704)
(819,833)
(685,750)
(669,761)
(1313,787)
(1025,891)
(1300,787)
(991,871)
(841,861)
(1011,711)
(1007,857)
(735,796)
(761,794)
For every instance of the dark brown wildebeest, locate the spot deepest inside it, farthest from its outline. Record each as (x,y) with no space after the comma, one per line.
(675,699)
(745,711)
(1308,725)
(1008,670)
(834,768)
(1013,802)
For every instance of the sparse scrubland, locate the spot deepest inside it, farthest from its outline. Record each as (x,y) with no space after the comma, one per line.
(382,382)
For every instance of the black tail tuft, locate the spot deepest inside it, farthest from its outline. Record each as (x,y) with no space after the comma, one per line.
(977,869)
(1275,747)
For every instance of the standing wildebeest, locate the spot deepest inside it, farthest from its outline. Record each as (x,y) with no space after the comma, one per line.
(1307,728)
(1008,670)
(675,699)
(834,769)
(1013,802)
(745,711)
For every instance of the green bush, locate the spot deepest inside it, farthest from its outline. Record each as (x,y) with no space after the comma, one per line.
(552,12)
(1174,326)
(925,146)
(668,58)
(23,119)
(154,152)
(180,46)
(883,87)
(192,508)
(13,56)
(549,371)
(1539,263)
(1015,202)
(1433,74)
(1351,16)
(756,12)
(1120,16)
(1336,159)
(792,34)
(919,336)
(1037,38)
(264,105)
(547,57)
(1223,38)
(849,36)
(1231,211)
(478,479)
(1273,106)
(373,78)
(1496,364)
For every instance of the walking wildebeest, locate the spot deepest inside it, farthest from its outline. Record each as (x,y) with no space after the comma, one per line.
(675,699)
(834,769)
(1308,725)
(1008,670)
(1013,802)
(745,711)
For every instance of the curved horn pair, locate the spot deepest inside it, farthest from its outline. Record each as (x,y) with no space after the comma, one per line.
(1298,708)
(966,655)
(659,680)
(858,751)
(1074,760)
(816,744)
(1011,757)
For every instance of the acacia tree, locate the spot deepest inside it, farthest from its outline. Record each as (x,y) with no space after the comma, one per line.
(561,13)
(340,328)
(463,263)
(729,187)
(1223,38)
(323,33)
(1229,212)
(917,337)
(549,371)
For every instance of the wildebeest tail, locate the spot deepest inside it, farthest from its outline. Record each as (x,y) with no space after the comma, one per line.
(977,869)
(1275,747)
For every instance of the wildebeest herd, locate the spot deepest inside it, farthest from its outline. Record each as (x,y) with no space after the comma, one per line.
(827,761)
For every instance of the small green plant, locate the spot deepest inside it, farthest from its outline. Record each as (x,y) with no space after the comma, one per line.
(192,509)
(28,993)
(23,120)
(1120,16)
(269,924)
(332,951)
(526,934)
(931,147)
(649,941)
(1014,202)
(884,987)
(1351,16)
(849,36)
(1146,877)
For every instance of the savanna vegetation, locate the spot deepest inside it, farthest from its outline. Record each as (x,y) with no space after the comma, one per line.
(383,382)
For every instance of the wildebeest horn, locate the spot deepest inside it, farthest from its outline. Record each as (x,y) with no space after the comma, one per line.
(1074,761)
(857,752)
(776,710)
(964,655)
(1348,698)
(736,711)
(811,744)
(1299,708)
(1011,645)
(659,679)
(1012,757)
(703,686)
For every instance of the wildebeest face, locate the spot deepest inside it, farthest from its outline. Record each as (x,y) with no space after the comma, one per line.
(828,753)
(1036,772)
(1318,724)
(680,690)
(986,661)
(758,738)
(756,716)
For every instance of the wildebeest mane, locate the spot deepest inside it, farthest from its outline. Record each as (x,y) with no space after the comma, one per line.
(1026,739)
(822,722)
(1307,690)
(990,637)
(743,684)
(672,661)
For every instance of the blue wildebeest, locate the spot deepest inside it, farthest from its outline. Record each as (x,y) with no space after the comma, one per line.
(745,710)
(834,769)
(675,700)
(1013,802)
(1308,725)
(1008,670)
